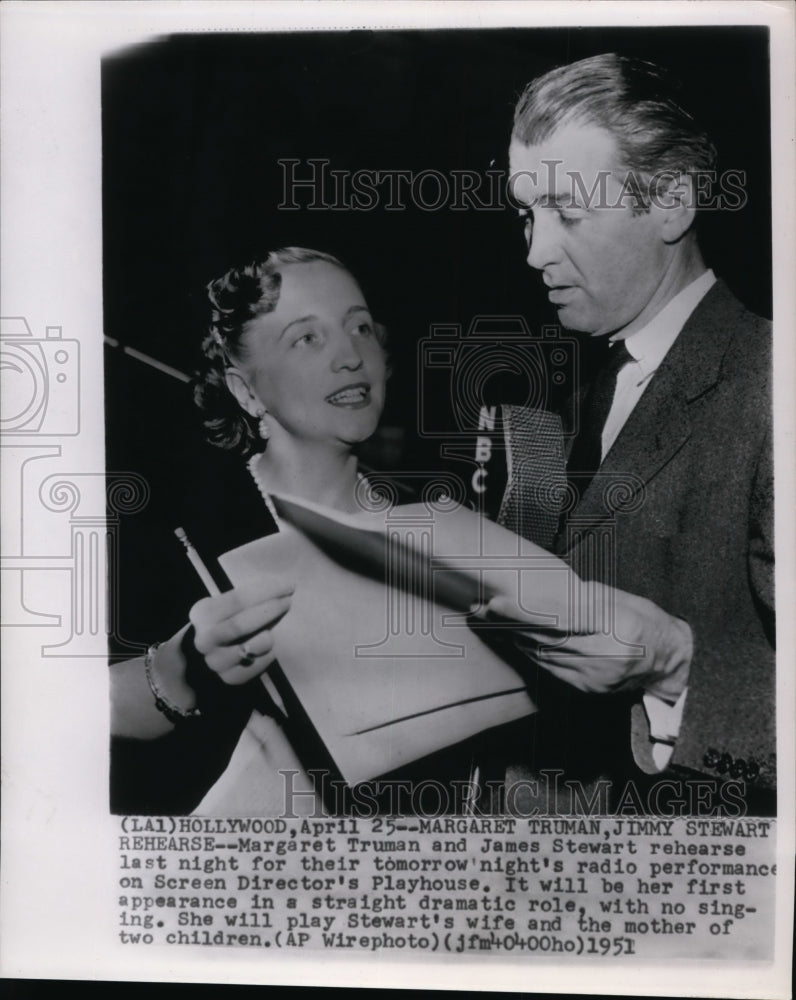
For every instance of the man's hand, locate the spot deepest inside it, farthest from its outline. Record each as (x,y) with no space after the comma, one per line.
(612,641)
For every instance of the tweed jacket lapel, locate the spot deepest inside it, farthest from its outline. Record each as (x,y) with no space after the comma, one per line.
(660,424)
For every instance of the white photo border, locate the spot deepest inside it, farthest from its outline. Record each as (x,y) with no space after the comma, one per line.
(57,836)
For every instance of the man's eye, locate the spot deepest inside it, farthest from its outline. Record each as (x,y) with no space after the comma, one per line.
(569,216)
(364,329)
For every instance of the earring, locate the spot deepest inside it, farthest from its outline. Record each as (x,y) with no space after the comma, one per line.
(262,425)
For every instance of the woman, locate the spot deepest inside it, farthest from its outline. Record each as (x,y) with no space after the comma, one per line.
(294,381)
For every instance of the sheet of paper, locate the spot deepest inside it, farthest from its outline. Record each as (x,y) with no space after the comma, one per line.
(373,662)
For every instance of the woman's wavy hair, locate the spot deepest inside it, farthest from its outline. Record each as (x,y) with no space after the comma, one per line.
(240,295)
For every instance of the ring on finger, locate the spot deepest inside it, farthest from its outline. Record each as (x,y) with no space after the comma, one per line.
(246,656)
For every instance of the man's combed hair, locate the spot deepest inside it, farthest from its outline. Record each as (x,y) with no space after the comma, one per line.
(237,297)
(632,99)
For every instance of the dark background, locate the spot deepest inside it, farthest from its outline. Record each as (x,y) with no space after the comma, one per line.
(193,127)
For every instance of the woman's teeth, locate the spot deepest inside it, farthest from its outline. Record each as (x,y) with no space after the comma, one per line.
(346,396)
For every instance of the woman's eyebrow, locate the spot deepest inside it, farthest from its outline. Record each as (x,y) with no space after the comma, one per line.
(293,322)
(312,317)
(355,309)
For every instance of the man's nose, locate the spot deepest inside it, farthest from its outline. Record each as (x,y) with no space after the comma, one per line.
(544,246)
(345,352)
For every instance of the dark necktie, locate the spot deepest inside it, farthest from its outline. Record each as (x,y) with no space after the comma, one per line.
(584,459)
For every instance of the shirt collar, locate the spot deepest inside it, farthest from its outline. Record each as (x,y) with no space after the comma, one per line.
(649,345)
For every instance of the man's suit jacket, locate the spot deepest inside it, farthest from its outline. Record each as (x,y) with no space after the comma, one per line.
(680,513)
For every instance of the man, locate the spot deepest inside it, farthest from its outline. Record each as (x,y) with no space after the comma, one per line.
(669,473)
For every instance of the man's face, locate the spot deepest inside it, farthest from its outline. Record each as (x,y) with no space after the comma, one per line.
(602,263)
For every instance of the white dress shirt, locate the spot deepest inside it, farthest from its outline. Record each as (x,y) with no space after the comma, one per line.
(648,347)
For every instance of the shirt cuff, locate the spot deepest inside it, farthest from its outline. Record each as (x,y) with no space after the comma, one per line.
(664,722)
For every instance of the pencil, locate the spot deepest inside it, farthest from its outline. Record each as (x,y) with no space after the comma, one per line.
(196,562)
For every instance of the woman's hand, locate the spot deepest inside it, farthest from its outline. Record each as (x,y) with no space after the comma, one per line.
(233,630)
(222,624)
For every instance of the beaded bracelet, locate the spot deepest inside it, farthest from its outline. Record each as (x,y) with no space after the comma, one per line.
(172,712)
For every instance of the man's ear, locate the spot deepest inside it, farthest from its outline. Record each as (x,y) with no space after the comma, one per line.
(240,389)
(678,204)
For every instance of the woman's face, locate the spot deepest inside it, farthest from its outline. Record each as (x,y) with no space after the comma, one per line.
(315,362)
